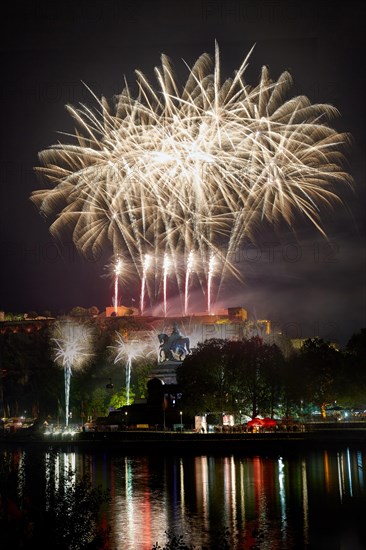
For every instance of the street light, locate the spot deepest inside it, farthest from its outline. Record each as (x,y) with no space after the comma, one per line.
(181,421)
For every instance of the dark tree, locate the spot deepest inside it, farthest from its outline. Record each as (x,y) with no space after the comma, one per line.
(354,379)
(30,380)
(319,368)
(229,376)
(254,371)
(203,379)
(356,345)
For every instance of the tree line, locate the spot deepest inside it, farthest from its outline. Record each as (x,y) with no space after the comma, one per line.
(249,375)
(32,384)
(253,377)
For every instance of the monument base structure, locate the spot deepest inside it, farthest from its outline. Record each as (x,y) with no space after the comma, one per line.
(166,372)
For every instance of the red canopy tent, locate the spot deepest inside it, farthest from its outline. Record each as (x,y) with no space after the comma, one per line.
(255,422)
(269,422)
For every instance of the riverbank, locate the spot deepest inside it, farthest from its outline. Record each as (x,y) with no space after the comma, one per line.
(313,437)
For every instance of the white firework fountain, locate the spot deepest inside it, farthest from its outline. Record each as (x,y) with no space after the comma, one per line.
(72,349)
(127,351)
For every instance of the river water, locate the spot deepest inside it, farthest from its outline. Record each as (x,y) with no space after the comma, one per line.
(308,500)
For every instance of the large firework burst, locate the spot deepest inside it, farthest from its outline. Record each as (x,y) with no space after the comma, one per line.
(195,168)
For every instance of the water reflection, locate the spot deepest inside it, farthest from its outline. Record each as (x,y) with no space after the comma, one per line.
(315,500)
(265,502)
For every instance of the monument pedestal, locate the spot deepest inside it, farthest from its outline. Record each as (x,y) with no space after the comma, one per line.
(166,371)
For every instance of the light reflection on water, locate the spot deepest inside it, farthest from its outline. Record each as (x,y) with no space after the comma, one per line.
(311,500)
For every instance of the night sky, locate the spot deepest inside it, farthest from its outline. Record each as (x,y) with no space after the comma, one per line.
(307,285)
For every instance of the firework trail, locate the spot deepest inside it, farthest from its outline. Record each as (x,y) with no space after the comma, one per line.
(117,272)
(72,348)
(145,268)
(211,268)
(166,266)
(201,167)
(189,268)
